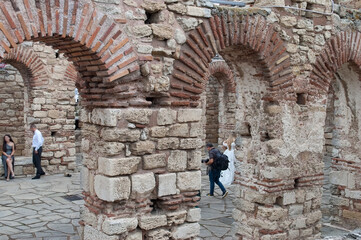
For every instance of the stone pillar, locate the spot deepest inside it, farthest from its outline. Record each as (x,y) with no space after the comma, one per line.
(141,173)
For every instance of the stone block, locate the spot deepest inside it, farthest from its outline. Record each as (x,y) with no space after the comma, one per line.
(153,6)
(141,116)
(299,223)
(289,198)
(142,147)
(189,181)
(178,8)
(162,31)
(339,201)
(91,233)
(167,184)
(295,210)
(154,161)
(84,176)
(352,215)
(105,117)
(152,222)
(88,217)
(194,215)
(353,194)
(113,226)
(120,135)
(166,116)
(168,143)
(112,189)
(196,130)
(143,184)
(178,130)
(194,160)
(198,12)
(179,36)
(276,172)
(313,217)
(176,218)
(158,131)
(118,166)
(190,143)
(177,161)
(273,214)
(189,115)
(135,235)
(111,148)
(158,234)
(186,231)
(141,30)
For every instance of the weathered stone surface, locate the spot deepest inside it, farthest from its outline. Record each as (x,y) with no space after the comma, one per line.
(142,147)
(189,181)
(105,117)
(178,8)
(168,143)
(179,36)
(121,135)
(198,12)
(166,116)
(178,130)
(152,6)
(141,30)
(154,161)
(152,222)
(135,235)
(186,231)
(190,143)
(162,31)
(351,215)
(166,184)
(188,23)
(176,218)
(158,131)
(194,160)
(189,115)
(158,234)
(111,148)
(194,215)
(112,189)
(143,184)
(113,226)
(91,233)
(177,161)
(140,116)
(118,166)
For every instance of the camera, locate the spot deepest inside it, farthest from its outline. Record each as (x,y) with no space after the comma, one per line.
(205,160)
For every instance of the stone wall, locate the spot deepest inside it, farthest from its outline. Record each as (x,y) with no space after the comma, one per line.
(143,166)
(148,63)
(13,93)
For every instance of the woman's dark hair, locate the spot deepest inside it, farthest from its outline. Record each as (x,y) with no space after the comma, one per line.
(4,142)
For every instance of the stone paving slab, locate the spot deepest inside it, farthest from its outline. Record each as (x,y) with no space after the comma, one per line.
(36,209)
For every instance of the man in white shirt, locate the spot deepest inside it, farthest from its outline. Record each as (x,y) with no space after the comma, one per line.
(38,141)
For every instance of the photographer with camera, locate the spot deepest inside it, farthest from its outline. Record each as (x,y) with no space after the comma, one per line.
(214,173)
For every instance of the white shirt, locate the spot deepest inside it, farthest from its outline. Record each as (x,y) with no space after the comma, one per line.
(38,140)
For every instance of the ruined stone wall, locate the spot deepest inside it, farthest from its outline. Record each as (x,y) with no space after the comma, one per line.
(143,166)
(12,92)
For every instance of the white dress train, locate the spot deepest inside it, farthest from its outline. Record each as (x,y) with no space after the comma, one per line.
(227,176)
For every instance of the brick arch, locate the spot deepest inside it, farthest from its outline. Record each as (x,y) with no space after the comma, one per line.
(93,41)
(342,48)
(29,65)
(72,74)
(221,68)
(220,32)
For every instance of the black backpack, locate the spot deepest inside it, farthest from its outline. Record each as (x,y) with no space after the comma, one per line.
(221,161)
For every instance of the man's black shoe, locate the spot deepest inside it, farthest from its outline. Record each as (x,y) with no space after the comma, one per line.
(43,173)
(36,177)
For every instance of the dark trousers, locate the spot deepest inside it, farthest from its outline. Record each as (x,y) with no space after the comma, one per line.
(37,161)
(214,176)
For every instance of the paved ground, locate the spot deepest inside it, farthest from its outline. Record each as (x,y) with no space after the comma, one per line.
(39,209)
(48,209)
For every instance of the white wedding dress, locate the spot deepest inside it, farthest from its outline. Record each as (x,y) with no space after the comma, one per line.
(227,176)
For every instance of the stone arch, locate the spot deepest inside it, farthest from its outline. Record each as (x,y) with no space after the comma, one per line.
(218,33)
(93,41)
(29,65)
(342,48)
(221,67)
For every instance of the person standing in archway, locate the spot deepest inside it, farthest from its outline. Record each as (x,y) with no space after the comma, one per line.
(214,173)
(227,176)
(38,141)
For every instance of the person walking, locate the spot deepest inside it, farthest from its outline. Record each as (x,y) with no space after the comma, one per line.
(38,141)
(214,173)
(227,176)
(8,157)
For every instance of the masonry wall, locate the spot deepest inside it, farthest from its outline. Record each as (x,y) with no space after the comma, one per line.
(12,92)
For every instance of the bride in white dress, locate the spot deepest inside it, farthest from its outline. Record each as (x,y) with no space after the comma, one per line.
(227,176)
